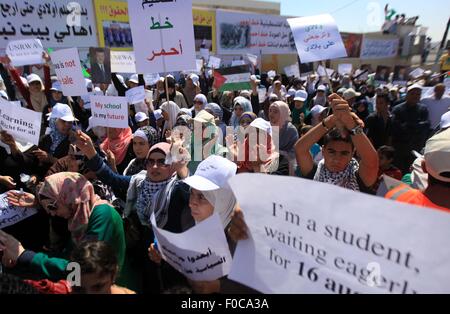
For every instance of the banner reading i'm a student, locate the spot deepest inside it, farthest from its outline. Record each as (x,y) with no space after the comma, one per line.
(343,244)
(163,35)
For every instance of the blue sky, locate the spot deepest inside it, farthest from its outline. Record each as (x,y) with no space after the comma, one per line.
(354,18)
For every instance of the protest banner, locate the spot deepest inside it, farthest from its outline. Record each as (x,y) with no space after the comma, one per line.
(417,73)
(204,53)
(237,62)
(135,95)
(214,62)
(151,79)
(262,92)
(382,74)
(401,75)
(345,68)
(241,33)
(10,215)
(253,59)
(317,38)
(292,70)
(68,70)
(352,43)
(109,111)
(204,30)
(322,71)
(25,52)
(58,24)
(379,48)
(199,65)
(347,243)
(23,124)
(123,62)
(200,253)
(113,25)
(163,35)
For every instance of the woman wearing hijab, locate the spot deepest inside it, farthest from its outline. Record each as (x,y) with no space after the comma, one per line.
(143,139)
(157,189)
(200,103)
(280,117)
(259,154)
(56,144)
(118,144)
(209,194)
(217,112)
(70,196)
(240,105)
(170,111)
(34,91)
(246,119)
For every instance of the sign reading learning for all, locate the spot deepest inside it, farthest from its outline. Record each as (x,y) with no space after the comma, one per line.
(163,35)
(109,111)
(347,242)
(200,253)
(25,52)
(317,38)
(23,124)
(68,69)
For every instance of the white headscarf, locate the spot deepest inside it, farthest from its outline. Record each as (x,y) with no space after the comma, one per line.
(224,203)
(173,110)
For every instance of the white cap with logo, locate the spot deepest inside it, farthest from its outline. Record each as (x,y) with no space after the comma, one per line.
(212,174)
(63,112)
(140,116)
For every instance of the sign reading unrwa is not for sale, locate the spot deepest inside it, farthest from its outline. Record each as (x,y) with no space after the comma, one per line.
(347,243)
(109,111)
(68,69)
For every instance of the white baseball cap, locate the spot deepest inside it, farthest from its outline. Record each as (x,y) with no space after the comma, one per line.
(415,86)
(321,88)
(134,79)
(56,87)
(63,112)
(291,92)
(437,156)
(350,93)
(262,124)
(140,116)
(317,110)
(158,114)
(212,174)
(301,95)
(195,79)
(33,78)
(445,120)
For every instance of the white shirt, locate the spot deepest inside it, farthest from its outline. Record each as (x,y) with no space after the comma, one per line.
(436,108)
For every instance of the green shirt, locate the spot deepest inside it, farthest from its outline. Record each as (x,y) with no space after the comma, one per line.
(105,224)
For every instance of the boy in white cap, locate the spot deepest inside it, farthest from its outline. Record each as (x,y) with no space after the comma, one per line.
(141,119)
(437,164)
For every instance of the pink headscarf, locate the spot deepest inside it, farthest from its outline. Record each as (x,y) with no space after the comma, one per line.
(285,112)
(77,193)
(118,146)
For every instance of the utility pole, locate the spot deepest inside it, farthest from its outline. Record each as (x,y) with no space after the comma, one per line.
(444,42)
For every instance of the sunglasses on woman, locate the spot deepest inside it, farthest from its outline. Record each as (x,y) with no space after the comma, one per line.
(159,162)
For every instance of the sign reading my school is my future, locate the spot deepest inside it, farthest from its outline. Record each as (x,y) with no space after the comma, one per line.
(109,111)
